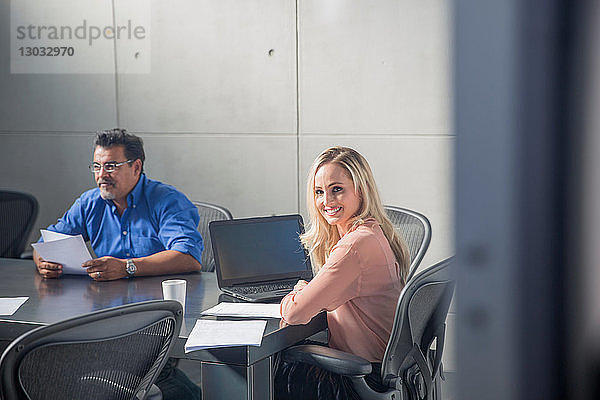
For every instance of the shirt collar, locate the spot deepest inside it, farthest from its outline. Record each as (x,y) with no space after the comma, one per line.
(369,221)
(134,196)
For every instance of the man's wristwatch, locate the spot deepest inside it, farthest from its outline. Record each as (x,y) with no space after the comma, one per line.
(130,268)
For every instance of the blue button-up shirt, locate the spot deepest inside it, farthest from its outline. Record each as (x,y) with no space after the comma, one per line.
(158,217)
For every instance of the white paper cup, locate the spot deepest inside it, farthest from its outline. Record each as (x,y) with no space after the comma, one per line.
(174,289)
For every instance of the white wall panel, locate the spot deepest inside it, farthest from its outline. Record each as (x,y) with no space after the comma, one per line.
(374,67)
(55,102)
(52,167)
(251,175)
(410,171)
(211,70)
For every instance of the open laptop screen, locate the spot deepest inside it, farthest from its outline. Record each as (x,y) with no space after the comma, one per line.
(259,249)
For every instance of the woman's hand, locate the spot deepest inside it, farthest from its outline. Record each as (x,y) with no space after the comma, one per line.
(301,283)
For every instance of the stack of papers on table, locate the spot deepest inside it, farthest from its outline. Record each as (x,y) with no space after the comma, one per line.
(66,250)
(251,310)
(211,334)
(9,305)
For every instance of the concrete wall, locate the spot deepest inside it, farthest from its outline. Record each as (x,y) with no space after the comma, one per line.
(242,95)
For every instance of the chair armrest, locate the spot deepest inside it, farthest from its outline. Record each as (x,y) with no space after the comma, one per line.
(27,254)
(329,359)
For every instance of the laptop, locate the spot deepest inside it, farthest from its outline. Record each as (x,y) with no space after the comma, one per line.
(259,259)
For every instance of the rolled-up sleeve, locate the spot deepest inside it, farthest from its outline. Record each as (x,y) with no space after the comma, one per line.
(179,226)
(337,282)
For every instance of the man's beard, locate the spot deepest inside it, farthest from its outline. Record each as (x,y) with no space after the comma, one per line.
(106,195)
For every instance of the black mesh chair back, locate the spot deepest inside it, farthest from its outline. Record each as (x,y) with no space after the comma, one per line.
(18,212)
(416,231)
(209,212)
(115,353)
(414,352)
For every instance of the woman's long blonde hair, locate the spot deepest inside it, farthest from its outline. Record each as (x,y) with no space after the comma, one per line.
(320,237)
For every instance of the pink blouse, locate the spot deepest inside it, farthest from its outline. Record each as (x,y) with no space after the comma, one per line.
(358,286)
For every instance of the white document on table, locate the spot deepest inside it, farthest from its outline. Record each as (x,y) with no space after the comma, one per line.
(245,310)
(66,250)
(208,333)
(9,305)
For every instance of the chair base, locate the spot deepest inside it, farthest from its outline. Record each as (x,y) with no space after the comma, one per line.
(365,392)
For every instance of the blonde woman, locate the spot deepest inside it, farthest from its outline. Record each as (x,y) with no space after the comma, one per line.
(361,265)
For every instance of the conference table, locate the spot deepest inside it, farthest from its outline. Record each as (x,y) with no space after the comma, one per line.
(241,372)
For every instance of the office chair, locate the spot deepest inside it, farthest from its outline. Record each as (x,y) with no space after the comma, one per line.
(209,212)
(18,212)
(412,363)
(415,228)
(112,354)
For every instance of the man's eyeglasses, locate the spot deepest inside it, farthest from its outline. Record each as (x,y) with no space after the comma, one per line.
(108,167)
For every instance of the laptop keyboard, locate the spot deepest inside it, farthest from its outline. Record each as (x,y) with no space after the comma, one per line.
(267,287)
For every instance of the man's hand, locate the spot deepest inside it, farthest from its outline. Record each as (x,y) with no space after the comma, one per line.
(106,268)
(45,268)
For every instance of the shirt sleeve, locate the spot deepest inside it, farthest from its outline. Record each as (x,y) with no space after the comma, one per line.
(337,282)
(178,226)
(72,223)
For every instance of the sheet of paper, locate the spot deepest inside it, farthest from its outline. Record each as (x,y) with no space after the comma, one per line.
(9,305)
(49,236)
(251,310)
(211,334)
(70,252)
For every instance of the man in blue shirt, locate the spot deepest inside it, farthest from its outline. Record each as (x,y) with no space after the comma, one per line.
(136,226)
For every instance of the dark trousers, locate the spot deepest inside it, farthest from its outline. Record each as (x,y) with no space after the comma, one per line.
(298,380)
(175,385)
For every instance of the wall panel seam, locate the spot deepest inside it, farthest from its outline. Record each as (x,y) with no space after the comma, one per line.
(117,114)
(298,178)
